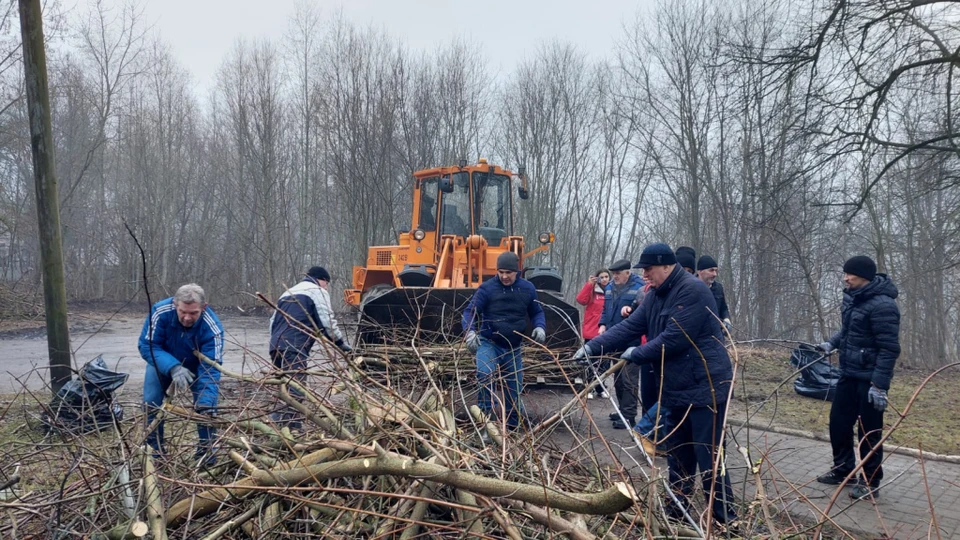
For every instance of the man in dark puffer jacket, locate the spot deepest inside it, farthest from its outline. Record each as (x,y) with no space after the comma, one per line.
(685,348)
(502,305)
(869,344)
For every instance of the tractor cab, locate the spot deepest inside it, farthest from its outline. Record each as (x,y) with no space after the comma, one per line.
(462,202)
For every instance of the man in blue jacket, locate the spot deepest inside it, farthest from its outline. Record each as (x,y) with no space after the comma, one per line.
(502,305)
(304,311)
(685,347)
(869,345)
(175,328)
(624,289)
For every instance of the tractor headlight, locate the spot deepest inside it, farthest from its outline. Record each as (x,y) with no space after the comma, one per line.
(418,235)
(546,238)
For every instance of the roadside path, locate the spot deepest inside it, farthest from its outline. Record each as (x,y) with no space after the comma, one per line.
(790,466)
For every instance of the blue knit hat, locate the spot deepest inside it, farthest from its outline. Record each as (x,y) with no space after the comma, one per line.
(656,254)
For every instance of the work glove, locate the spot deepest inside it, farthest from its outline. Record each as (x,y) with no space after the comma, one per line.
(877,398)
(539,335)
(472,341)
(826,347)
(628,354)
(343,346)
(728,325)
(182,378)
(582,356)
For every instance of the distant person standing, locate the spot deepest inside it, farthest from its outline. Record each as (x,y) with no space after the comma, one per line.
(869,345)
(175,329)
(687,259)
(591,296)
(502,305)
(707,271)
(621,292)
(304,312)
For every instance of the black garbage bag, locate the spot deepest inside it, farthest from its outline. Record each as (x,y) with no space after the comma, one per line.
(818,378)
(86,404)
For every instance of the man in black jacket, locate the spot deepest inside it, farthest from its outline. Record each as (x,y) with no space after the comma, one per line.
(869,344)
(685,347)
(707,272)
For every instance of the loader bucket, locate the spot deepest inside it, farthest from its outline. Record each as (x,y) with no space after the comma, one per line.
(433,316)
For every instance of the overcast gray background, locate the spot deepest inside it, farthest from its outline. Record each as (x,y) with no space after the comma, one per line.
(202,32)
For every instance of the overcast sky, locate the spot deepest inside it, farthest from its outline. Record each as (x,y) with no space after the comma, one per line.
(507,30)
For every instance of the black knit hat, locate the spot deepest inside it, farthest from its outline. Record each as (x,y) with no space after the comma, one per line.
(508,260)
(319,273)
(656,254)
(862,266)
(619,266)
(687,257)
(706,262)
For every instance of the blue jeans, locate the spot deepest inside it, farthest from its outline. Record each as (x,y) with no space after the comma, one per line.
(648,421)
(506,397)
(206,393)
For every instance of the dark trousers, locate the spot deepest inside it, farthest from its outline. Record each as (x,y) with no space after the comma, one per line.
(850,406)
(649,387)
(294,362)
(625,384)
(692,444)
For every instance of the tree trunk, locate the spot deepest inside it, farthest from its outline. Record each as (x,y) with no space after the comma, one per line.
(48,205)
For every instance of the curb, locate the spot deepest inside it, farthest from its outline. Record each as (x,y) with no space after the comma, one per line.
(902,450)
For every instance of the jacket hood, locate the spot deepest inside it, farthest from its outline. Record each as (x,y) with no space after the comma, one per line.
(880,286)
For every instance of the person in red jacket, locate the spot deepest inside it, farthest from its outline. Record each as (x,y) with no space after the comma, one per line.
(591,296)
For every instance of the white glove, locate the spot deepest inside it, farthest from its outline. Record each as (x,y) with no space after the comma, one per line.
(539,335)
(582,355)
(826,347)
(182,378)
(473,341)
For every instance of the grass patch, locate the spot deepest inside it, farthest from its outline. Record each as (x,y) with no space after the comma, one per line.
(765,392)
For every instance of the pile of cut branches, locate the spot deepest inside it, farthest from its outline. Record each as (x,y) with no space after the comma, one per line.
(356,456)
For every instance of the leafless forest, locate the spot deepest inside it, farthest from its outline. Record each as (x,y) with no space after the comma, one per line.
(780,137)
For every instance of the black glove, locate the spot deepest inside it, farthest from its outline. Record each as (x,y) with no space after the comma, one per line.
(877,398)
(343,345)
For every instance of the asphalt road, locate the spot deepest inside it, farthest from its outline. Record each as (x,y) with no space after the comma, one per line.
(23,354)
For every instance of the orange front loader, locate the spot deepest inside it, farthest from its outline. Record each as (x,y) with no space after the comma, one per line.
(462,221)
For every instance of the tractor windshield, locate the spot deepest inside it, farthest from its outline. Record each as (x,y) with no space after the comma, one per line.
(492,206)
(455,212)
